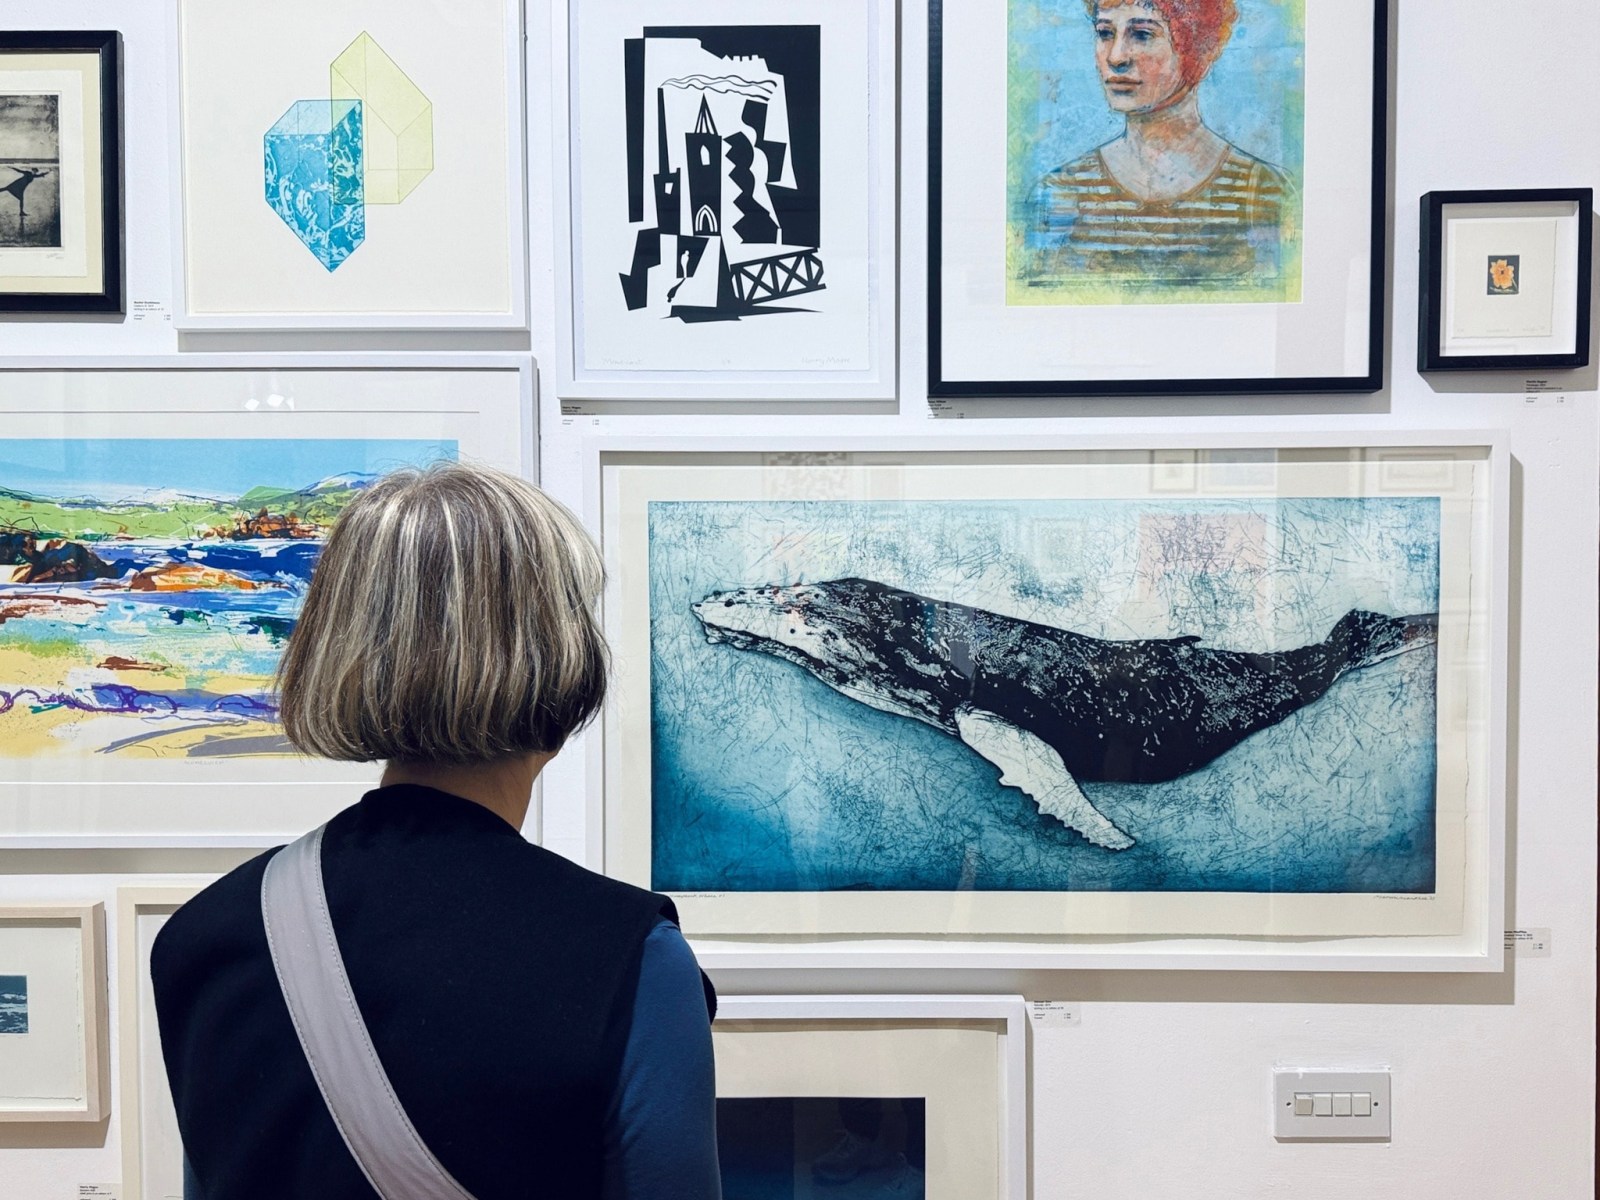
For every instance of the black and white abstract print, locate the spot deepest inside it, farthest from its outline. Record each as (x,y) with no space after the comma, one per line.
(724,195)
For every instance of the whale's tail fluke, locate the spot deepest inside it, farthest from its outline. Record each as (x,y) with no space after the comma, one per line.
(1364,639)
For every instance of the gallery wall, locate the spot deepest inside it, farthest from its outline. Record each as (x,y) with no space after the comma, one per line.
(1161,1087)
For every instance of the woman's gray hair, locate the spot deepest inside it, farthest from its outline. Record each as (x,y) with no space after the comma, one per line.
(450,619)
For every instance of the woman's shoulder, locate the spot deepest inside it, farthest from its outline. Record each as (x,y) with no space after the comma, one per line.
(223,916)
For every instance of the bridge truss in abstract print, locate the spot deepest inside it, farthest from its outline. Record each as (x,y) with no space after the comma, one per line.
(1194,696)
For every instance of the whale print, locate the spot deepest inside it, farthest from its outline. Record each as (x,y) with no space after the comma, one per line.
(1142,694)
(1047,706)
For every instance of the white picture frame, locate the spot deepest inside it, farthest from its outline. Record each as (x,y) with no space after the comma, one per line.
(239,267)
(54,1043)
(1465,938)
(847,349)
(965,1056)
(152,1148)
(477,406)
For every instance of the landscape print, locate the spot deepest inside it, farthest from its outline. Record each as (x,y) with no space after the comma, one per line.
(147,586)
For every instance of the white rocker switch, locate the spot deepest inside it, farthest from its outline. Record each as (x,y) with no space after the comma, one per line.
(1330,1106)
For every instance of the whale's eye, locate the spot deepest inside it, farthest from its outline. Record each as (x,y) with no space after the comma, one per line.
(727,604)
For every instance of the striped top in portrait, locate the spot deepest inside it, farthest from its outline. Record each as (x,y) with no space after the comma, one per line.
(1229,231)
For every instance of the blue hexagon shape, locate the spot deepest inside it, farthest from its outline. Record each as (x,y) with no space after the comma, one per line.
(313,166)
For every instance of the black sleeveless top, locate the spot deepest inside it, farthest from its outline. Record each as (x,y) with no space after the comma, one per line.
(497,980)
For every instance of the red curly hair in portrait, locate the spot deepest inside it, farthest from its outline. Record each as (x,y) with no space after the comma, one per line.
(1200,29)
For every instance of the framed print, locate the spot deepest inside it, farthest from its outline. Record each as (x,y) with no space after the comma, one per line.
(159,523)
(1505,280)
(53,1044)
(1059,695)
(731,195)
(152,1149)
(1160,198)
(351,168)
(823,1096)
(60,171)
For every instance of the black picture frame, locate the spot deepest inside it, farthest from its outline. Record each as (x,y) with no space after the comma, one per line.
(107,46)
(1370,379)
(1430,299)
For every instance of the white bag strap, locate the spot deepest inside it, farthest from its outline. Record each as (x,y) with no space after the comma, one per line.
(310,969)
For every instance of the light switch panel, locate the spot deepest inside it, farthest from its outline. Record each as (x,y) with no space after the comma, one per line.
(1347,1106)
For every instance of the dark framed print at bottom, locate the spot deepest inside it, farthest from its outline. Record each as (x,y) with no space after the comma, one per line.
(1156,198)
(1505,280)
(60,174)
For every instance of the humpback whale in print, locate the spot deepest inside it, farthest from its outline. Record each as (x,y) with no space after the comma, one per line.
(1049,707)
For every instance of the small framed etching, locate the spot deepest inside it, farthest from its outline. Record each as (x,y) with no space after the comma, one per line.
(835,1096)
(1505,280)
(60,173)
(53,1046)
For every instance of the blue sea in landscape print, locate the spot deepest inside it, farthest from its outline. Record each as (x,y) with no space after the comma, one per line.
(147,586)
(766,778)
(13,1004)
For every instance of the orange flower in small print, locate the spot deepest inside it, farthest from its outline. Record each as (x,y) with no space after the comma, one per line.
(1503,274)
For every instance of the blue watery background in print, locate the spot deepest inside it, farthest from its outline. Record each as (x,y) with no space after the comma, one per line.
(13,1004)
(765,779)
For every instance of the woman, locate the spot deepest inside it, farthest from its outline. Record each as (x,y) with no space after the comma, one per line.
(1169,201)
(544,1030)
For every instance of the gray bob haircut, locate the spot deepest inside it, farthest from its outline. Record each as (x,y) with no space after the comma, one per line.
(450,619)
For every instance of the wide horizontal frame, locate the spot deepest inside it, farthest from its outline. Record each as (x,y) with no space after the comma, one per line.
(516,217)
(1013,1065)
(1430,301)
(91,922)
(1422,954)
(527,372)
(1370,381)
(731,385)
(132,903)
(107,44)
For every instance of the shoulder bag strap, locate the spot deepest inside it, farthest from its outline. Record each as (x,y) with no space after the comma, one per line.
(310,969)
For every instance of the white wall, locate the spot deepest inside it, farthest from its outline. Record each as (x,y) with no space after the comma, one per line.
(1162,1090)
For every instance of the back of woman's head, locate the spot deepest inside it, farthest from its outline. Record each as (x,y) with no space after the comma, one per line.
(451,620)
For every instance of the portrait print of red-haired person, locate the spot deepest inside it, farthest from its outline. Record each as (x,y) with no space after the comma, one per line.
(1170,203)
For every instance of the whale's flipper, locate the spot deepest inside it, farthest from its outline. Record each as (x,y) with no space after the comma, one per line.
(1033,766)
